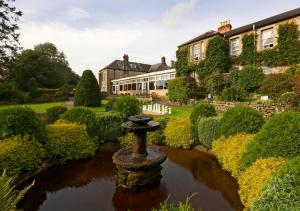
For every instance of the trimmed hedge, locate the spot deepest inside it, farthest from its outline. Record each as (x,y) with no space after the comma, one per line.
(229,151)
(241,119)
(53,113)
(178,91)
(282,192)
(201,110)
(178,133)
(253,180)
(69,142)
(19,156)
(208,130)
(127,105)
(21,121)
(279,137)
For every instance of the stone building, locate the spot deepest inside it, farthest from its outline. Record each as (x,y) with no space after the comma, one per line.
(125,68)
(265,31)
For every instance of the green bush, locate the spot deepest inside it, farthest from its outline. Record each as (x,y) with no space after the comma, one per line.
(215,83)
(241,119)
(178,133)
(68,142)
(232,94)
(82,116)
(19,156)
(250,78)
(33,88)
(128,106)
(296,84)
(178,91)
(282,191)
(279,137)
(208,130)
(87,91)
(21,121)
(289,101)
(201,110)
(108,126)
(53,113)
(275,85)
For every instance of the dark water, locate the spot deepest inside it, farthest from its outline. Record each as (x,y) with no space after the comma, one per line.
(90,185)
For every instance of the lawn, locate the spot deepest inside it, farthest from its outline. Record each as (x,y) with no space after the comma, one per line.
(178,112)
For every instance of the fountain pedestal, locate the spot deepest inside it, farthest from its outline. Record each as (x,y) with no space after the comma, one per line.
(139,166)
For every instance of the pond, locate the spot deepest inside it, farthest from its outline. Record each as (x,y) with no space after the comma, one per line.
(90,185)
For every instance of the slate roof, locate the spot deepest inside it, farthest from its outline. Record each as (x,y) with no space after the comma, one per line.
(264,22)
(159,67)
(201,37)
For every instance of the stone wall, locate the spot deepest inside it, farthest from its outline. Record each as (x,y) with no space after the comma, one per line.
(266,109)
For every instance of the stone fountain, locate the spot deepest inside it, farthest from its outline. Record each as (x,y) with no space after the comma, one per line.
(139,165)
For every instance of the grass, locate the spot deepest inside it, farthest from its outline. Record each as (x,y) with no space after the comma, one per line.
(178,112)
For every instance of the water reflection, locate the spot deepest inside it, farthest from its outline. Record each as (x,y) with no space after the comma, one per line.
(90,185)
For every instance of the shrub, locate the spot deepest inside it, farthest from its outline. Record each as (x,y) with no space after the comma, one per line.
(215,83)
(178,91)
(201,110)
(250,78)
(69,142)
(296,84)
(87,91)
(279,137)
(282,192)
(275,85)
(208,130)
(33,88)
(53,113)
(108,126)
(241,119)
(254,178)
(232,94)
(127,105)
(229,151)
(21,121)
(82,116)
(19,156)
(289,101)
(178,133)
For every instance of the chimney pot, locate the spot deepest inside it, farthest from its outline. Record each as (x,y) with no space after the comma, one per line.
(126,62)
(225,27)
(163,60)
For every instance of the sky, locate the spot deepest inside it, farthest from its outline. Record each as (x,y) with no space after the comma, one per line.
(93,33)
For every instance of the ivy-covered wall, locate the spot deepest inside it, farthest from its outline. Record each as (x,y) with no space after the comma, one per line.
(182,63)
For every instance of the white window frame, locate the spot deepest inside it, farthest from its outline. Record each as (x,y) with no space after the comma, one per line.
(235,46)
(267,42)
(196,51)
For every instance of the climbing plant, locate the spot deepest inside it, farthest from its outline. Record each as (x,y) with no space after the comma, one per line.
(248,54)
(182,66)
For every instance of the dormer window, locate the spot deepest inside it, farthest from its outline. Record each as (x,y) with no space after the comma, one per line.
(235,48)
(267,38)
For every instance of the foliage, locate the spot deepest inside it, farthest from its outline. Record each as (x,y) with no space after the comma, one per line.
(279,137)
(178,91)
(181,66)
(82,116)
(69,142)
(289,101)
(296,84)
(128,106)
(253,179)
(178,133)
(229,151)
(232,94)
(293,69)
(33,88)
(108,126)
(9,36)
(201,110)
(208,130)
(215,83)
(10,94)
(250,78)
(282,192)
(194,91)
(9,197)
(19,156)
(241,119)
(275,85)
(234,76)
(53,113)
(21,121)
(87,91)
(248,55)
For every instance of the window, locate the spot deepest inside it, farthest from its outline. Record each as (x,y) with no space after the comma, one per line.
(235,48)
(121,87)
(133,86)
(152,85)
(267,38)
(159,84)
(129,87)
(196,52)
(202,50)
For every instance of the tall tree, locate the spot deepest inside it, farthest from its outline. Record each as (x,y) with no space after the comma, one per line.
(9,36)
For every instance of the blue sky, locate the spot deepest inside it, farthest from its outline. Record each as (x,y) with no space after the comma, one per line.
(92,33)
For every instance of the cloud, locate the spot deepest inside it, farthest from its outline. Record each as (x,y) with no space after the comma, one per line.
(174,15)
(76,13)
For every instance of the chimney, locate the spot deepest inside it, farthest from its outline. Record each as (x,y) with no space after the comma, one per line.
(126,62)
(163,60)
(225,26)
(172,63)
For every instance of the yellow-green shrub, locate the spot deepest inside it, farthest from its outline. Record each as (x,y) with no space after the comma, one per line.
(253,179)
(19,156)
(178,133)
(69,142)
(229,151)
